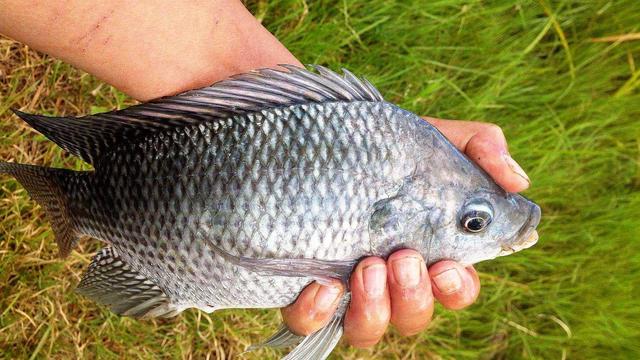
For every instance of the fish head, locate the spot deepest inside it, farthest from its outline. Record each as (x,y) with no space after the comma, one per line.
(489,224)
(464,226)
(472,219)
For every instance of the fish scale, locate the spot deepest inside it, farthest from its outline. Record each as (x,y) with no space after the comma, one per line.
(240,194)
(272,211)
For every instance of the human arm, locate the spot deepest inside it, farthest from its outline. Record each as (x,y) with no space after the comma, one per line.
(146,50)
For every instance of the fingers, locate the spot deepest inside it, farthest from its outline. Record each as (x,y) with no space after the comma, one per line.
(400,290)
(488,148)
(369,312)
(486,145)
(455,286)
(314,307)
(410,292)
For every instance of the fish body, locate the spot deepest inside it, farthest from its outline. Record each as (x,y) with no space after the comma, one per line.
(295,182)
(241,194)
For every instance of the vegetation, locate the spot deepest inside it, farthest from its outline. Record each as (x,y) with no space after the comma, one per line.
(558,76)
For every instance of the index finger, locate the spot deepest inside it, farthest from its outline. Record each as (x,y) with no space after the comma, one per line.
(485,144)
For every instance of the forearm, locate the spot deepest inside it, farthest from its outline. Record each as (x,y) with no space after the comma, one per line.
(143,49)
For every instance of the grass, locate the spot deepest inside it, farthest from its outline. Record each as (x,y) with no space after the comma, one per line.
(569,105)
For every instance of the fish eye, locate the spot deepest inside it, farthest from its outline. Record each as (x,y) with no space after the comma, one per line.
(477,217)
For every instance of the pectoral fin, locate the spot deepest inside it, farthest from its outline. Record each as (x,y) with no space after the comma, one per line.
(314,268)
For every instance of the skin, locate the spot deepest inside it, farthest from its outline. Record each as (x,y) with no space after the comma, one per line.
(150,51)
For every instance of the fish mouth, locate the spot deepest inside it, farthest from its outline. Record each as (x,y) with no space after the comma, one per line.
(526,237)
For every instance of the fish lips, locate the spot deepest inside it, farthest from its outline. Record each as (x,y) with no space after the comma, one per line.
(527,236)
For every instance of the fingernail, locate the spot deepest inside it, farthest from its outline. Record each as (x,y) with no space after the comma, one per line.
(515,167)
(326,297)
(448,281)
(407,271)
(374,278)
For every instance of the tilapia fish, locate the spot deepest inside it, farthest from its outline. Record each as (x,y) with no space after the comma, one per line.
(240,194)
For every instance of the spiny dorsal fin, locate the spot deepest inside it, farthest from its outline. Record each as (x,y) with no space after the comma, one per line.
(45,185)
(91,136)
(111,282)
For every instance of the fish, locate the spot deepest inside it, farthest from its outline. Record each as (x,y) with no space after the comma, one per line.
(240,194)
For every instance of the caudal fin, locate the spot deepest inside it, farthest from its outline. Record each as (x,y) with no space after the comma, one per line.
(45,185)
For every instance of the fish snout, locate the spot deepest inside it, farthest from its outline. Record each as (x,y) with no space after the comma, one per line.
(527,236)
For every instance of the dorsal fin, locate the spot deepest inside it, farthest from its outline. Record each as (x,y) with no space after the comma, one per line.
(91,136)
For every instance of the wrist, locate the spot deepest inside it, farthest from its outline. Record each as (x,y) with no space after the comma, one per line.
(224,39)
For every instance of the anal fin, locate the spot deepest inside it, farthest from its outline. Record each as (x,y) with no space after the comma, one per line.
(316,346)
(111,282)
(280,339)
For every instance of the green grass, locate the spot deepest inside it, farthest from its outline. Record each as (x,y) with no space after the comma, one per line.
(570,108)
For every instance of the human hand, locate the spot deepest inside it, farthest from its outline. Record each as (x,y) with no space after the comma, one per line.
(401,289)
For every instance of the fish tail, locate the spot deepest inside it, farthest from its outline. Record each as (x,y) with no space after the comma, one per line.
(47,187)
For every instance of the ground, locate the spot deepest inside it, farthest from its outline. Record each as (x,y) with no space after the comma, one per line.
(558,76)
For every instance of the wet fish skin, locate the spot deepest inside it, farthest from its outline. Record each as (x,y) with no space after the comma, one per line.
(245,209)
(296,182)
